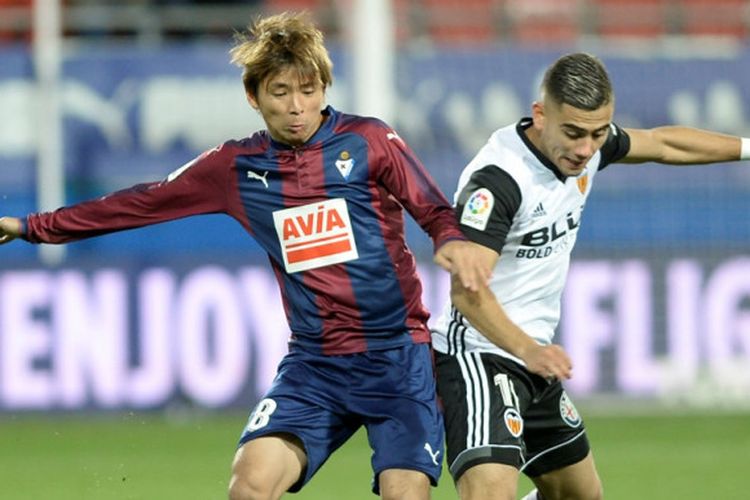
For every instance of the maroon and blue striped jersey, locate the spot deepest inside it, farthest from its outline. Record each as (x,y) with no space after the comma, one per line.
(328,213)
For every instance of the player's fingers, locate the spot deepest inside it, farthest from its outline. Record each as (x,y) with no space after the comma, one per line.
(459,268)
(479,271)
(564,373)
(554,363)
(469,277)
(462,260)
(564,367)
(442,261)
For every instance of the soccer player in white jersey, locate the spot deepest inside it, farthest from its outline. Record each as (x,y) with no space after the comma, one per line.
(521,198)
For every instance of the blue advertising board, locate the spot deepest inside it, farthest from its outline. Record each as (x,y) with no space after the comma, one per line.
(147,336)
(134,114)
(656,304)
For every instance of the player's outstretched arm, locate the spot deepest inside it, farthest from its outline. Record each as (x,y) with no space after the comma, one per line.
(677,145)
(463,260)
(10,229)
(487,315)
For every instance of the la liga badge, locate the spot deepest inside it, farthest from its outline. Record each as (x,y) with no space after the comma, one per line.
(477,210)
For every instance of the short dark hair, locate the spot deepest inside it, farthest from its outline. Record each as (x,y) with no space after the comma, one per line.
(579,80)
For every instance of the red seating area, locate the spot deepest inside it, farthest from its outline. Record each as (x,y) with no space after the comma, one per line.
(293,5)
(545,22)
(716,17)
(558,21)
(460,21)
(20,9)
(632,18)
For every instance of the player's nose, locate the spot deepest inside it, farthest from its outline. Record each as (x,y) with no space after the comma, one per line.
(295,103)
(584,148)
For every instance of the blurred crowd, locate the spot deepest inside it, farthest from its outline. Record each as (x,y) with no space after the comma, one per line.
(442,21)
(162,19)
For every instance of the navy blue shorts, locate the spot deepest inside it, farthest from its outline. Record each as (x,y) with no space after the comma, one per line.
(324,400)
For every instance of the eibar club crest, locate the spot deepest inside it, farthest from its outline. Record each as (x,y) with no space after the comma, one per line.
(344,164)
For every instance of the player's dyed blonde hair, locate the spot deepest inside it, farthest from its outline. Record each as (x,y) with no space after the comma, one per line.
(274,43)
(579,80)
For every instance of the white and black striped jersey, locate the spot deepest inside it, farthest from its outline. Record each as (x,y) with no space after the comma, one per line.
(511,198)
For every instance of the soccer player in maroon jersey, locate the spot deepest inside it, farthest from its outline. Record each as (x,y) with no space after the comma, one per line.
(323,193)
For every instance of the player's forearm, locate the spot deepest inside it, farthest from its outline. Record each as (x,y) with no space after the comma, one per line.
(685,146)
(487,315)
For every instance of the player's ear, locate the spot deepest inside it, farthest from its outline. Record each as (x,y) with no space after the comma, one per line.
(252,100)
(537,114)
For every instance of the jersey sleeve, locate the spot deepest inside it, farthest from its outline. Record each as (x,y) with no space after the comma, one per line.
(198,187)
(406,178)
(615,147)
(486,206)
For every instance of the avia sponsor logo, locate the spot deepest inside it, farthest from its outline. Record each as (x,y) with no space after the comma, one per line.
(315,235)
(550,240)
(513,422)
(568,411)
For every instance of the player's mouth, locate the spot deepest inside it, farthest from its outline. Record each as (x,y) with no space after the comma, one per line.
(296,128)
(577,164)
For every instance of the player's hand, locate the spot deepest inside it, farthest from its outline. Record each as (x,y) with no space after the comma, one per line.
(548,361)
(463,259)
(10,229)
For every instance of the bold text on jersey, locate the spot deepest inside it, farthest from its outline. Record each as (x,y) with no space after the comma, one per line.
(549,237)
(315,235)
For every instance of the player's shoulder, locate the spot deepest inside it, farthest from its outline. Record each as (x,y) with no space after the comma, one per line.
(616,147)
(367,126)
(225,153)
(348,121)
(257,142)
(378,134)
(503,150)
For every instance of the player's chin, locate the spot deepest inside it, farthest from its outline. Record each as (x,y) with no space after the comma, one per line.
(294,140)
(573,169)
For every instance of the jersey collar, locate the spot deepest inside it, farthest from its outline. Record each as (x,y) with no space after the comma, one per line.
(521,127)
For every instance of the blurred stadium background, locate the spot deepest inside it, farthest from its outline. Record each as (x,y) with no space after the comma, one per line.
(166,336)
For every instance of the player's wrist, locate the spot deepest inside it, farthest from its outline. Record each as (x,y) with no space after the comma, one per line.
(10,226)
(745,148)
(525,348)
